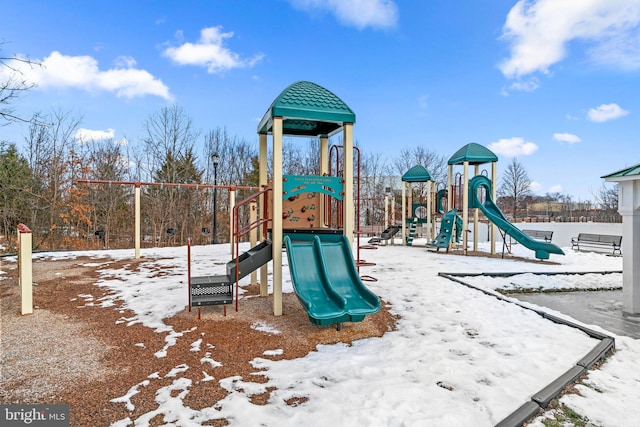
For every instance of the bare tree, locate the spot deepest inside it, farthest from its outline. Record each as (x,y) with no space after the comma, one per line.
(169,143)
(50,160)
(515,185)
(13,84)
(607,200)
(421,155)
(111,213)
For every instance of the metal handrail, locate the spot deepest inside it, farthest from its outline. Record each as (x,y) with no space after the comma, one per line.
(239,232)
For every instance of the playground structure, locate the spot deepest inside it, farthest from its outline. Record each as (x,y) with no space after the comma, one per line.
(468,194)
(313,216)
(420,213)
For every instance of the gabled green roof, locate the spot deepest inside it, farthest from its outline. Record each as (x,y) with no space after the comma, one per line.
(307,109)
(624,173)
(418,173)
(475,154)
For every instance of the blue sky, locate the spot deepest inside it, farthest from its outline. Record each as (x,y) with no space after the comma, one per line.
(555,83)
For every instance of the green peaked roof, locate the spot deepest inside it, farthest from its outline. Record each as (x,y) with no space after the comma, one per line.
(624,173)
(307,109)
(418,173)
(475,154)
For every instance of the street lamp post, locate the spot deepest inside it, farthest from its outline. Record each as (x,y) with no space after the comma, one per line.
(215,159)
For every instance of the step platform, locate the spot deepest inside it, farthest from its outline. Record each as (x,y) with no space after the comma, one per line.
(211,290)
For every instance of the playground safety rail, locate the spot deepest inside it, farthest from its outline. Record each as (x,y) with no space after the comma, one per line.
(261,221)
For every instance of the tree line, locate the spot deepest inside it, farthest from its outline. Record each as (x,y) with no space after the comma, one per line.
(39,186)
(39,183)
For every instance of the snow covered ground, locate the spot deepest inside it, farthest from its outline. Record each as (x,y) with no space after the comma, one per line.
(457,358)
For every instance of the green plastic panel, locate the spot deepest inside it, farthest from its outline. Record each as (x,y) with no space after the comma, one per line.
(307,109)
(293,185)
(473,153)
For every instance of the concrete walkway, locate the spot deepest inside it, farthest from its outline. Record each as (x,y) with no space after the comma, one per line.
(601,308)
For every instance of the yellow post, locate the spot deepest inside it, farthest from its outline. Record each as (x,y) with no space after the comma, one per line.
(264,277)
(393,216)
(25,272)
(465,206)
(449,202)
(449,189)
(253,235)
(386,215)
(404,212)
(348,202)
(324,170)
(493,194)
(277,216)
(475,217)
(232,203)
(429,184)
(137,219)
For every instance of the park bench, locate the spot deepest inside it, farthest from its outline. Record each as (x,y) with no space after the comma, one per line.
(597,240)
(539,234)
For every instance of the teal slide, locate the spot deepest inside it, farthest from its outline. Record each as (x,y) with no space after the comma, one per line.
(495,215)
(327,282)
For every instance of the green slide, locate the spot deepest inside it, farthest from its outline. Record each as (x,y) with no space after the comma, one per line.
(448,223)
(495,215)
(327,282)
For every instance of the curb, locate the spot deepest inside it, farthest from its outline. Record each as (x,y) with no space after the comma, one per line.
(542,398)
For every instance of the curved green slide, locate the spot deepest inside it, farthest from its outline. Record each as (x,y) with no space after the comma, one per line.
(326,281)
(495,215)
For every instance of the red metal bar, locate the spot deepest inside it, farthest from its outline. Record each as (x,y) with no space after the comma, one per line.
(166,184)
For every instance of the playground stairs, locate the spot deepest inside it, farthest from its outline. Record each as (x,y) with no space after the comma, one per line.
(218,289)
(412,231)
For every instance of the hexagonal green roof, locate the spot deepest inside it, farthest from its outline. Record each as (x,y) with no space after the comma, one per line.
(624,174)
(307,109)
(475,154)
(418,173)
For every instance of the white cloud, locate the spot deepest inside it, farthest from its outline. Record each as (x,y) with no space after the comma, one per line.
(569,138)
(125,62)
(539,32)
(606,112)
(555,188)
(210,52)
(85,135)
(357,13)
(513,147)
(535,187)
(82,72)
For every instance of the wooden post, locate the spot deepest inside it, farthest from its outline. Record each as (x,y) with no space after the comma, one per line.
(232,203)
(25,271)
(253,235)
(348,201)
(465,206)
(137,219)
(386,217)
(264,277)
(476,235)
(404,212)
(277,216)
